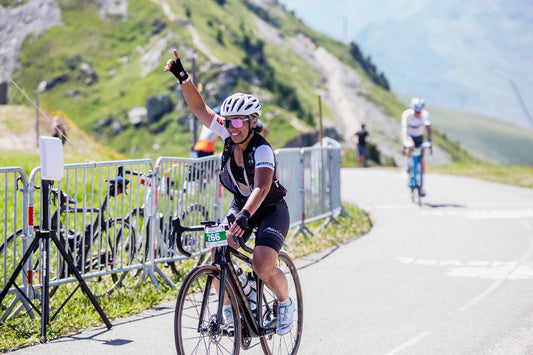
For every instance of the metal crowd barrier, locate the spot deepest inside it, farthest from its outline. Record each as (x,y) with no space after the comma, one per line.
(312,179)
(14,236)
(114,218)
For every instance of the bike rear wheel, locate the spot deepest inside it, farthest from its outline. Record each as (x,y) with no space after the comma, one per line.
(11,251)
(267,303)
(198,297)
(415,184)
(124,240)
(111,249)
(10,255)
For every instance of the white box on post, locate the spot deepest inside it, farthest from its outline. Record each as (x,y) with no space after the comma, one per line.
(51,158)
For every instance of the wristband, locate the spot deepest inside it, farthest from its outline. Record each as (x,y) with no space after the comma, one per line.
(179,72)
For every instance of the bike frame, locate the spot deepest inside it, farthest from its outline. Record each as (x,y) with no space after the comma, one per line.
(223,262)
(101,222)
(228,274)
(415,158)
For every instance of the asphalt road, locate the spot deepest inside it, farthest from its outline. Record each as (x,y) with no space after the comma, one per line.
(451,277)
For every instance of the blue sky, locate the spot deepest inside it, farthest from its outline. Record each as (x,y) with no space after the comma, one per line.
(468,55)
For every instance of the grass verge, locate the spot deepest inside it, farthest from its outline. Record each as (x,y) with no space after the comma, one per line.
(517,175)
(21,331)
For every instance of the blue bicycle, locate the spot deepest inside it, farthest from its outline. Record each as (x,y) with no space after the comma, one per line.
(416,173)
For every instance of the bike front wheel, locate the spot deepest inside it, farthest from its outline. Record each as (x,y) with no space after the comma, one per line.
(197,327)
(288,343)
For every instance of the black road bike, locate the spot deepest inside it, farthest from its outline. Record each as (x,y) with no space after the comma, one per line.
(198,322)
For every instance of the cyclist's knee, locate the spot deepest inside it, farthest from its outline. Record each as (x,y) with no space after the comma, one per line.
(264,270)
(264,261)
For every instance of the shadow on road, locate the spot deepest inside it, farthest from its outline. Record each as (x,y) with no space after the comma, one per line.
(444,205)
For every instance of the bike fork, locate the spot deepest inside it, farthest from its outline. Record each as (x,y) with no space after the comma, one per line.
(414,181)
(221,291)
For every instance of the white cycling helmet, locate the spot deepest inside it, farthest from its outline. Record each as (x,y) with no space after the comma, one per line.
(240,104)
(417,104)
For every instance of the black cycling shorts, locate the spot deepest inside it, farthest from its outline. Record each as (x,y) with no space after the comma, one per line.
(418,140)
(272,224)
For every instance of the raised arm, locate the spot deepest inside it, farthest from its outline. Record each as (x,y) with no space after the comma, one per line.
(192,96)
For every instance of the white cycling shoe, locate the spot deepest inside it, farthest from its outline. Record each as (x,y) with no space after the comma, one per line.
(227,315)
(285,318)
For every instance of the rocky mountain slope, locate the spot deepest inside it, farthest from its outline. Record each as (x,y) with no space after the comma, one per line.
(342,89)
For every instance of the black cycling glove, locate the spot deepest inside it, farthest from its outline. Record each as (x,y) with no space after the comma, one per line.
(179,72)
(242,218)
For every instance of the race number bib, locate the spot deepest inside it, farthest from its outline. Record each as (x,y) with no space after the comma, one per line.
(215,236)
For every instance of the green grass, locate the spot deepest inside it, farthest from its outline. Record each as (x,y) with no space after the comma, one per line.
(79,313)
(114,46)
(517,175)
(487,139)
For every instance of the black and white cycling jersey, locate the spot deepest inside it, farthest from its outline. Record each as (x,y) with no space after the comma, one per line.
(258,154)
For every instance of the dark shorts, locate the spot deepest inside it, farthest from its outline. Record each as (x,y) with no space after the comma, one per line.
(271,224)
(361,150)
(418,141)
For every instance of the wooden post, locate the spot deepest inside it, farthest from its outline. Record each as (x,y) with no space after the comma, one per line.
(320,131)
(37,117)
(3,93)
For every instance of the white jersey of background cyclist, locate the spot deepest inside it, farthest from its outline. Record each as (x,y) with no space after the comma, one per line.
(415,125)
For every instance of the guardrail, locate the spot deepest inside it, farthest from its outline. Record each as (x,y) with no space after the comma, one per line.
(113,218)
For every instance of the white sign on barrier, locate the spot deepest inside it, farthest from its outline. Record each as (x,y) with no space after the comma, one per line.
(51,158)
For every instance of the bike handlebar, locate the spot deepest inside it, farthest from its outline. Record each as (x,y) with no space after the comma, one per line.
(178,229)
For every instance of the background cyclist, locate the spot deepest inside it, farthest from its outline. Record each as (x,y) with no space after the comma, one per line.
(248,171)
(415,120)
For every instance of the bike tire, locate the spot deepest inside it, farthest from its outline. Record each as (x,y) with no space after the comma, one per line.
(420,174)
(289,343)
(198,336)
(142,230)
(413,191)
(11,255)
(123,253)
(111,249)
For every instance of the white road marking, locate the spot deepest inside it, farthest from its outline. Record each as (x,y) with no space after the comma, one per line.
(495,285)
(408,343)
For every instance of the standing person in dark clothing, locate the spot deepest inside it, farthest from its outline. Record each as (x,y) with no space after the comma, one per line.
(363,138)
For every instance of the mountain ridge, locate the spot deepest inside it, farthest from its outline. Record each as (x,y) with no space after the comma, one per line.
(305,62)
(469,56)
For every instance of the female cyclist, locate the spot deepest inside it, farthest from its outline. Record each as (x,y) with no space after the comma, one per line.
(248,171)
